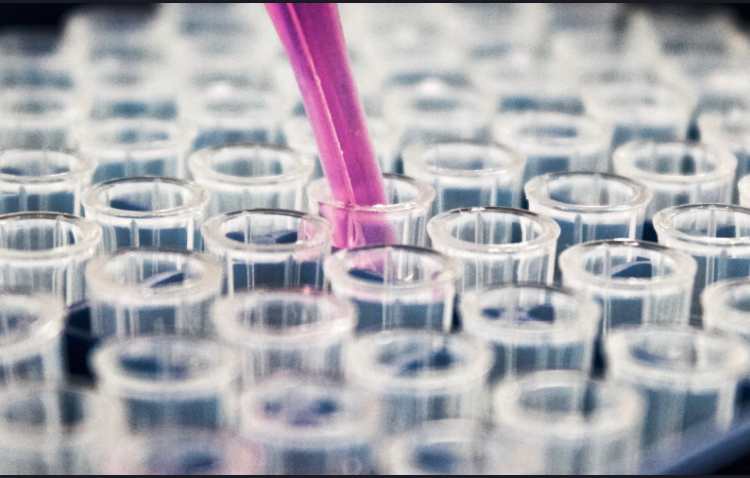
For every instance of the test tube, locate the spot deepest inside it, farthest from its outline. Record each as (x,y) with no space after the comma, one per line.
(251,175)
(677,173)
(725,307)
(641,111)
(532,328)
(295,331)
(634,282)
(31,332)
(556,142)
(130,147)
(717,236)
(158,383)
(33,58)
(551,423)
(466,174)
(306,427)
(152,291)
(409,206)
(268,248)
(590,206)
(40,180)
(688,376)
(50,431)
(46,252)
(497,245)
(147,211)
(418,376)
(731,131)
(33,118)
(396,286)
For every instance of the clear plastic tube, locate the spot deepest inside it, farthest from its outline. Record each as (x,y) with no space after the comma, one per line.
(634,282)
(165,382)
(731,131)
(419,376)
(47,252)
(31,332)
(305,427)
(268,248)
(743,188)
(466,174)
(532,328)
(126,148)
(396,286)
(149,291)
(497,245)
(565,423)
(717,236)
(689,378)
(409,205)
(39,180)
(251,175)
(147,211)
(725,307)
(297,331)
(38,119)
(33,58)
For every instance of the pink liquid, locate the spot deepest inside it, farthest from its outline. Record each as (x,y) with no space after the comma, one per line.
(314,42)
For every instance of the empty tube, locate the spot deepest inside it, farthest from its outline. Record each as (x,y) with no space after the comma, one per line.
(147,211)
(731,131)
(37,119)
(590,206)
(51,431)
(419,376)
(294,331)
(149,291)
(497,245)
(565,423)
(130,147)
(634,282)
(165,382)
(556,142)
(305,427)
(251,175)
(39,180)
(396,286)
(409,206)
(31,332)
(717,236)
(725,307)
(532,328)
(268,248)
(47,252)
(689,378)
(467,174)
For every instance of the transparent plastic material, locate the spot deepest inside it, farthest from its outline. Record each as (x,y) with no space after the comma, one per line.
(743,187)
(590,206)
(305,427)
(396,286)
(268,248)
(418,376)
(409,206)
(251,175)
(32,58)
(726,307)
(551,423)
(467,174)
(497,245)
(147,211)
(158,383)
(532,328)
(51,431)
(126,148)
(641,111)
(37,119)
(281,332)
(688,376)
(556,142)
(440,447)
(150,291)
(635,282)
(30,334)
(716,235)
(731,131)
(39,180)
(46,252)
